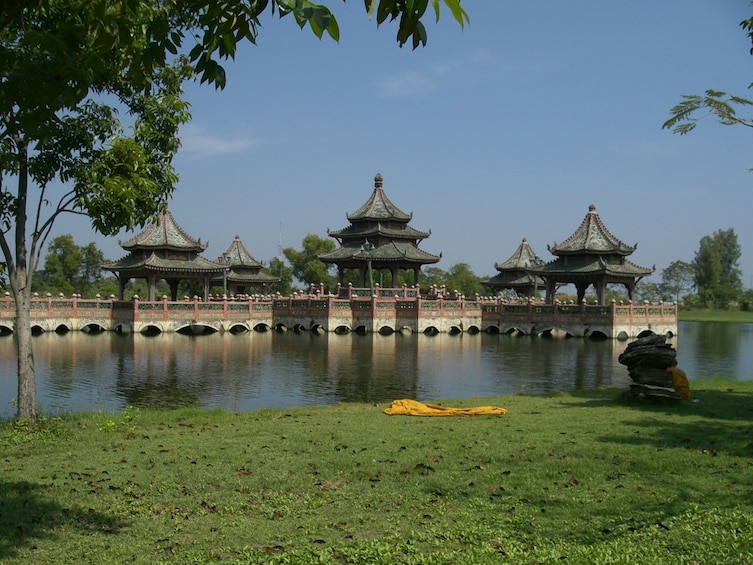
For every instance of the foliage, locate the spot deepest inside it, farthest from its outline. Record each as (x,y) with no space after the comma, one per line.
(649,290)
(462,279)
(459,277)
(678,278)
(715,103)
(717,275)
(305,265)
(693,108)
(70,268)
(666,483)
(278,268)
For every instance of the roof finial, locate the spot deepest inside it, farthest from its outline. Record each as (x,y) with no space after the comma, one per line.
(378,180)
(592,209)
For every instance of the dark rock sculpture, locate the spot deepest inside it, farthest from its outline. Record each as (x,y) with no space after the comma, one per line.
(651,364)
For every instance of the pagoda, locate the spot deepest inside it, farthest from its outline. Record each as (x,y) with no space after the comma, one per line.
(379,238)
(519,272)
(242,271)
(592,256)
(163,251)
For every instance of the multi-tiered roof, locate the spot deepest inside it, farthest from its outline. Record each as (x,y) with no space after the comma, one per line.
(243,270)
(519,272)
(379,237)
(592,256)
(163,251)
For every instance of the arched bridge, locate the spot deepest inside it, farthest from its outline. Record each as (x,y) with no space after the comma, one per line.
(359,310)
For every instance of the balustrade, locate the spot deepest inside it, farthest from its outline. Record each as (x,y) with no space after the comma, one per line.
(490,311)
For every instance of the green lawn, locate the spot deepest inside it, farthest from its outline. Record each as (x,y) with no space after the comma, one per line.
(715,316)
(587,477)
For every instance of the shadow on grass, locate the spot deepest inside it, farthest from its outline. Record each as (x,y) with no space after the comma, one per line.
(716,421)
(27,514)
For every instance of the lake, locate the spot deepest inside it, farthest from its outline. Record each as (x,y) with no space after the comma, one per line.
(107,371)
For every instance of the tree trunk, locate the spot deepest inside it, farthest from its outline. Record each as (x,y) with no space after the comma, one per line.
(27,388)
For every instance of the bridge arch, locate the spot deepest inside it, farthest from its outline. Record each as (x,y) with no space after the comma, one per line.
(342,329)
(386,330)
(555,332)
(91,327)
(431,331)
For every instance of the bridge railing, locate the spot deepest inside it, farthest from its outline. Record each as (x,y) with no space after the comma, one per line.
(361,300)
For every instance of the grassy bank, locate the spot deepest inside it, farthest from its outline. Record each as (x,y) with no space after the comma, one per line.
(715,316)
(584,478)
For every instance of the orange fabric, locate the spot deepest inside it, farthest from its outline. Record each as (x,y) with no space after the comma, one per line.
(680,382)
(408,407)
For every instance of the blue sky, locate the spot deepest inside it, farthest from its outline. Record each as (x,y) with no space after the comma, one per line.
(509,128)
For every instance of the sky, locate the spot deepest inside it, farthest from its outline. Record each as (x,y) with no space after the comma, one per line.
(507,129)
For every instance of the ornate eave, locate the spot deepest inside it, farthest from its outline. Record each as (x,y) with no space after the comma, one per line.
(154,263)
(515,279)
(164,233)
(558,268)
(394,251)
(378,207)
(592,237)
(361,231)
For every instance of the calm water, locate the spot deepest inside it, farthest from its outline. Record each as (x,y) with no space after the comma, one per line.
(107,371)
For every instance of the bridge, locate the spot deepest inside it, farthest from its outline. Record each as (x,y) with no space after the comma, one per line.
(379,310)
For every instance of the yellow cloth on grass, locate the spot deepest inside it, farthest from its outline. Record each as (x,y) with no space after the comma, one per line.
(680,382)
(408,407)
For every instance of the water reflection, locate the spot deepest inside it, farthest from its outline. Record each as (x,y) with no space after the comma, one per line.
(707,349)
(108,371)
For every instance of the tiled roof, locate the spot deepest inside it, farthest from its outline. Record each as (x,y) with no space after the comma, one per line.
(592,236)
(393,251)
(164,233)
(363,231)
(153,262)
(379,207)
(523,259)
(515,279)
(597,266)
(238,255)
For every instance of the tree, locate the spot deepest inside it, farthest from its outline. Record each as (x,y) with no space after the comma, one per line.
(677,278)
(461,278)
(647,290)
(62,265)
(305,265)
(717,275)
(686,115)
(63,63)
(70,268)
(278,268)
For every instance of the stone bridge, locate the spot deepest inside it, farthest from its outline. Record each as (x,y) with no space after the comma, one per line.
(358,310)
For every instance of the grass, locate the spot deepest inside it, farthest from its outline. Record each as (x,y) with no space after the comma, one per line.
(737,316)
(585,477)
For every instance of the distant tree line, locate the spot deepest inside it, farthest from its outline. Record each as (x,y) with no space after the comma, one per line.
(712,280)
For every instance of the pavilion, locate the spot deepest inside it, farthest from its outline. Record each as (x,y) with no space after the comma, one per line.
(163,251)
(379,238)
(519,272)
(242,271)
(592,256)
